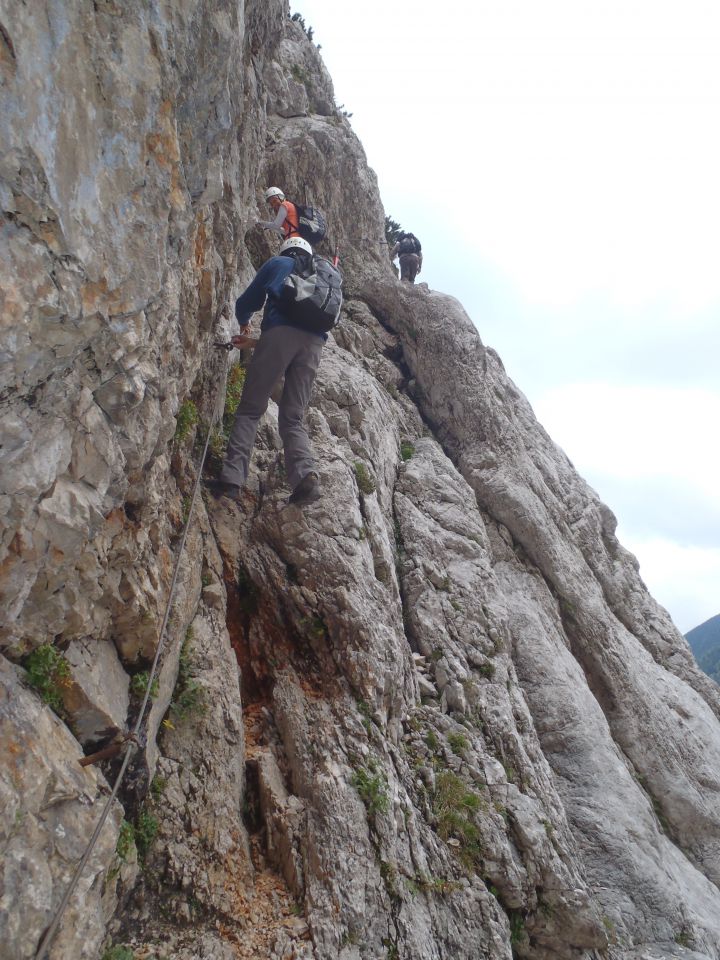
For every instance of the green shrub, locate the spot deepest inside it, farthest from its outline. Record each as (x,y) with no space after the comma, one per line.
(432,741)
(187,418)
(139,682)
(454,806)
(297,18)
(502,810)
(189,701)
(372,787)
(233,393)
(216,446)
(146,828)
(509,771)
(458,742)
(517,926)
(157,787)
(48,672)
(365,714)
(220,434)
(365,482)
(406,450)
(299,74)
(118,953)
(125,841)
(188,697)
(392,231)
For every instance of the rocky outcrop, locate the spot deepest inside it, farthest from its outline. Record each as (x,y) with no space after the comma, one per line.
(435,714)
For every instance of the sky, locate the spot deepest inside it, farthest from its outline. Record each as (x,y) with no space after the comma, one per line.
(560,163)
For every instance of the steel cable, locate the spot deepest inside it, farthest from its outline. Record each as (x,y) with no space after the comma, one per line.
(52,930)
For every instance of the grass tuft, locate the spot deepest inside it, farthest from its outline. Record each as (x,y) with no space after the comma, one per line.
(365,482)
(48,672)
(372,786)
(454,806)
(187,419)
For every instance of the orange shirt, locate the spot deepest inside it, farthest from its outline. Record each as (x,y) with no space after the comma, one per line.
(292,222)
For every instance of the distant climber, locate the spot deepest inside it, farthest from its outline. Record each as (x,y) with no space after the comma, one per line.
(292,335)
(409,251)
(286,222)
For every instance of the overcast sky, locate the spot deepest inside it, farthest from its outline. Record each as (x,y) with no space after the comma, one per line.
(560,162)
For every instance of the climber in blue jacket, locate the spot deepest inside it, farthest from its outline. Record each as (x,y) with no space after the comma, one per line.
(284,348)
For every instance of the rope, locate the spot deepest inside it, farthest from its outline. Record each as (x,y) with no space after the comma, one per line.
(52,930)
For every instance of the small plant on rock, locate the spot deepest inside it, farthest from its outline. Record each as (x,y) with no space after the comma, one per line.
(188,697)
(372,786)
(406,450)
(297,18)
(157,787)
(126,841)
(454,806)
(365,482)
(233,394)
(187,418)
(219,435)
(365,714)
(433,741)
(139,683)
(146,828)
(118,953)
(392,231)
(517,926)
(458,743)
(216,448)
(48,671)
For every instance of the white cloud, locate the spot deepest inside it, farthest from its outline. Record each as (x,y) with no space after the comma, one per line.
(685,580)
(637,431)
(654,450)
(559,162)
(585,135)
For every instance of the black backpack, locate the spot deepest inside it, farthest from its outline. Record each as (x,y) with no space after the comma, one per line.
(312,225)
(409,244)
(312,294)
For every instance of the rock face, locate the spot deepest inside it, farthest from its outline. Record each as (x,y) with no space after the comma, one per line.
(434,715)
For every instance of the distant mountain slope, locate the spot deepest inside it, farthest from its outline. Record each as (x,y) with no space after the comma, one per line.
(705,644)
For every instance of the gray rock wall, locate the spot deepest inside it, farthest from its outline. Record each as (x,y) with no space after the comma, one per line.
(435,715)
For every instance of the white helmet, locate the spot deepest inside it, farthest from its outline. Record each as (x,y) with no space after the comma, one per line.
(296,243)
(274,192)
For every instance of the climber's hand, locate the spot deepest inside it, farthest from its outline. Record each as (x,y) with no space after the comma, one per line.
(243,341)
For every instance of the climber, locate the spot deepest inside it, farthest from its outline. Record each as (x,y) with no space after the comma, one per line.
(410,253)
(286,221)
(282,349)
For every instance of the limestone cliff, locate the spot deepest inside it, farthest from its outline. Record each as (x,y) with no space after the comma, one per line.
(435,715)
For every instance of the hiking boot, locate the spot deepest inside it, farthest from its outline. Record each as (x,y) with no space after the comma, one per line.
(307,491)
(220,488)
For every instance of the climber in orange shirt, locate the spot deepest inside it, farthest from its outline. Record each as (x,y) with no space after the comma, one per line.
(286,221)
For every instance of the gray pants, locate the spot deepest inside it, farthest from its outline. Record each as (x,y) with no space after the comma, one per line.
(281,350)
(409,263)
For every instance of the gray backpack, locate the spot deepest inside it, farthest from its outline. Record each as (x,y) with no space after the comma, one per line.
(312,295)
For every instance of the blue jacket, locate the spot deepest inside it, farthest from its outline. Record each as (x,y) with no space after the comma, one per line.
(266,288)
